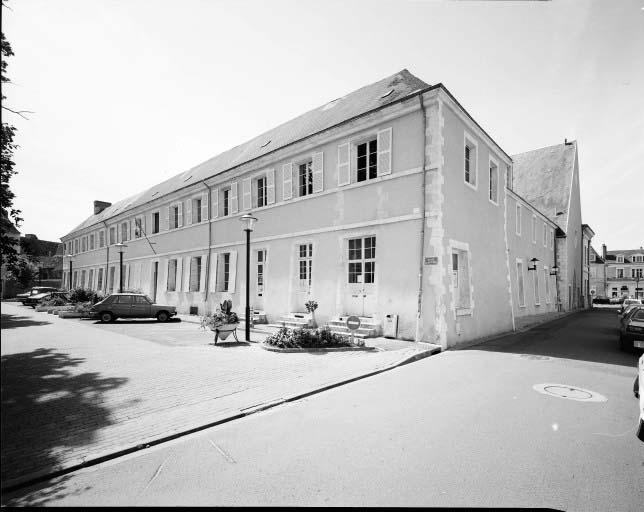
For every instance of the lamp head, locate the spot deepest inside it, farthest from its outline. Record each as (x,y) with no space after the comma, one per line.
(248,221)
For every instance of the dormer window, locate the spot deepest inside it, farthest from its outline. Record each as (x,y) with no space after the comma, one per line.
(620,258)
(638,258)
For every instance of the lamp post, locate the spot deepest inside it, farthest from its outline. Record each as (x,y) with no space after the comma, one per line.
(121,248)
(248,221)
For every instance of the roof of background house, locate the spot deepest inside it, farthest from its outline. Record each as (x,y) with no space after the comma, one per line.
(598,257)
(361,101)
(543,177)
(612,255)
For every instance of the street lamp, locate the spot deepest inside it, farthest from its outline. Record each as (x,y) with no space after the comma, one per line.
(248,221)
(534,264)
(120,247)
(554,270)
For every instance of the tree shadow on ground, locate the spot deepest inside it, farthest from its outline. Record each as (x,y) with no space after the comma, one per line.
(48,412)
(591,335)
(15,321)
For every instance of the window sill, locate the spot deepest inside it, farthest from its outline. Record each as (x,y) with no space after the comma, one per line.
(464,312)
(472,186)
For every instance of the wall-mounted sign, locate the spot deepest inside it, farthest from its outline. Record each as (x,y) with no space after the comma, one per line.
(431,260)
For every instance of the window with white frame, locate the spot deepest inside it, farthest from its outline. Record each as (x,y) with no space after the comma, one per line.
(112,235)
(620,258)
(535,278)
(362,260)
(124,231)
(101,238)
(99,284)
(305,178)
(620,273)
(82,281)
(195,273)
(172,275)
(494,182)
(518,220)
(90,280)
(196,210)
(592,256)
(76,246)
(223,272)
(91,242)
(534,229)
(638,258)
(545,235)
(175,216)
(64,247)
(461,279)
(520,284)
(261,267)
(156,222)
(546,280)
(305,265)
(636,273)
(138,227)
(469,161)
(226,201)
(260,192)
(83,244)
(367,163)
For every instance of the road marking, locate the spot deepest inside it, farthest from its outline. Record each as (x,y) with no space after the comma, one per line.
(156,474)
(223,453)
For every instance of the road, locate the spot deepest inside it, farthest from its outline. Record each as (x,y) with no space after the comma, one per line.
(462,428)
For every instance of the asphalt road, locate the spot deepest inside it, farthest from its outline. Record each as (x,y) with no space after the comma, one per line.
(462,428)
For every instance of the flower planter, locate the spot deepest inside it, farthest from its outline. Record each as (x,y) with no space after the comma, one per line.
(222,331)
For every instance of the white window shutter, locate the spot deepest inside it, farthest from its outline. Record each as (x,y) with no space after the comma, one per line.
(179,278)
(188,212)
(212,278)
(126,277)
(246,199)
(344,169)
(167,219)
(180,214)
(204,207)
(186,274)
(270,185)
(318,171)
(214,204)
(163,275)
(202,276)
(384,151)
(287,181)
(232,275)
(234,203)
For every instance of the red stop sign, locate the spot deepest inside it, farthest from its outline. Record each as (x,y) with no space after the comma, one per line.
(353,322)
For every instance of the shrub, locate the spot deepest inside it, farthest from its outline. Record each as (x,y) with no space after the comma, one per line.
(308,338)
(83,307)
(223,315)
(54,301)
(84,295)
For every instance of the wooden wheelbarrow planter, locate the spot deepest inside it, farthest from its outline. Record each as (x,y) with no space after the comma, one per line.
(224,330)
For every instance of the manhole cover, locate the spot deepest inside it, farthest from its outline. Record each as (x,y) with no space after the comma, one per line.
(569,392)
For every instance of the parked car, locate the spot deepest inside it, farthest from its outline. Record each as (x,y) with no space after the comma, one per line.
(628,302)
(34,300)
(631,331)
(35,290)
(638,390)
(131,305)
(626,310)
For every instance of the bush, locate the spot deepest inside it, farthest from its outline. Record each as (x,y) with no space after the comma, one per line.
(308,338)
(54,301)
(83,307)
(78,295)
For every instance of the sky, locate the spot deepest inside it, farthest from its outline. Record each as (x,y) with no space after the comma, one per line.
(127,93)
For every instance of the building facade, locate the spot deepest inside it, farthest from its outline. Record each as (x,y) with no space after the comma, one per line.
(617,274)
(391,200)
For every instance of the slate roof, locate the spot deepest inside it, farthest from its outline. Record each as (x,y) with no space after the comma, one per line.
(598,257)
(543,177)
(356,103)
(612,255)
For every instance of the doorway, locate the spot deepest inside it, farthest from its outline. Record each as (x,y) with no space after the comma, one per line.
(303,275)
(155,276)
(260,283)
(360,294)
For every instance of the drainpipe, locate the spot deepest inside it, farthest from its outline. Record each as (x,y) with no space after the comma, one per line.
(557,280)
(107,257)
(209,239)
(422,225)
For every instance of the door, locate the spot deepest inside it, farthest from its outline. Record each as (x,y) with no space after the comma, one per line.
(360,296)
(122,306)
(140,307)
(303,275)
(155,276)
(260,284)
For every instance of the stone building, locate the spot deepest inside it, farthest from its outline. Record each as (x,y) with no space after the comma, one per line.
(617,274)
(389,201)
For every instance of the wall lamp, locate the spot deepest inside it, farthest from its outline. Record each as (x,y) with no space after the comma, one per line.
(534,264)
(554,270)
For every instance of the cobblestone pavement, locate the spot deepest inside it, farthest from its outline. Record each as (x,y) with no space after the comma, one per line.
(74,390)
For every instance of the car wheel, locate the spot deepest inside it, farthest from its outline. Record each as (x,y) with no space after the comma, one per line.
(162,316)
(636,386)
(106,317)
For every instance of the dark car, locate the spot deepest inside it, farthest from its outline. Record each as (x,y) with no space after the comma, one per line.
(34,300)
(631,331)
(22,297)
(131,305)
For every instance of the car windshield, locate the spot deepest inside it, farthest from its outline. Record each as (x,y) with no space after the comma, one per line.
(148,299)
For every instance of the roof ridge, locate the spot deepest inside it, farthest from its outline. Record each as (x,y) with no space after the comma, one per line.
(570,142)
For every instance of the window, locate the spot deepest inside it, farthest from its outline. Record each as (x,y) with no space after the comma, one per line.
(494,182)
(90,281)
(620,273)
(638,258)
(82,280)
(305,265)
(552,238)
(470,154)
(305,178)
(546,280)
(64,247)
(174,216)
(224,269)
(362,260)
(76,246)
(110,284)
(520,284)
(518,219)
(138,227)
(226,201)
(367,160)
(124,231)
(155,222)
(112,235)
(534,229)
(537,298)
(195,273)
(196,210)
(172,275)
(123,299)
(261,192)
(83,244)
(461,279)
(99,285)
(75,278)
(101,238)
(620,258)
(91,242)
(636,272)
(261,262)
(545,235)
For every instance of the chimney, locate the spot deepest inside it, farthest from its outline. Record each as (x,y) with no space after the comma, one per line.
(99,206)
(604,251)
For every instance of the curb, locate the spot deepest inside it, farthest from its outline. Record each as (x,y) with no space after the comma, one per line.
(44,475)
(318,349)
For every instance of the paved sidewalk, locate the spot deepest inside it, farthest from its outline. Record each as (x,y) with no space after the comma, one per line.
(73,390)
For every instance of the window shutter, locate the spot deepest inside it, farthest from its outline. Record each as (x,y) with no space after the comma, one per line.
(143,231)
(344,176)
(167,220)
(234,203)
(246,199)
(188,212)
(202,276)
(194,278)
(186,274)
(384,152)
(212,279)
(163,275)
(179,277)
(126,279)
(287,181)
(270,185)
(214,205)
(204,207)
(318,171)
(180,214)
(232,275)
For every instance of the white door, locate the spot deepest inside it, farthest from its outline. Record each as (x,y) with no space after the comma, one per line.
(260,283)
(303,275)
(360,295)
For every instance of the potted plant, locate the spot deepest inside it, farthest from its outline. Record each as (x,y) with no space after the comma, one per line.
(223,322)
(311,306)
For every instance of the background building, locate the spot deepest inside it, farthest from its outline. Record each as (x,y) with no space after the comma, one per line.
(617,273)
